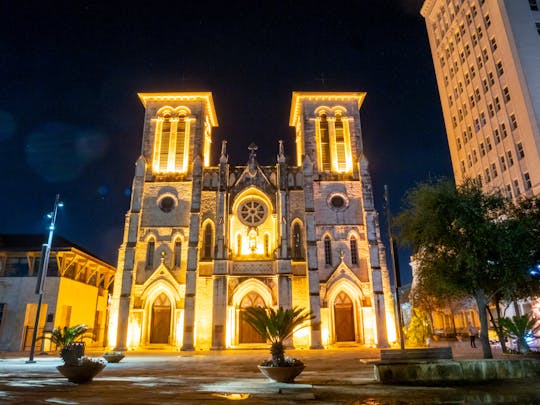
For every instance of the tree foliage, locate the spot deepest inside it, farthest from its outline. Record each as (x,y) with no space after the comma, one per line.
(468,244)
(276,326)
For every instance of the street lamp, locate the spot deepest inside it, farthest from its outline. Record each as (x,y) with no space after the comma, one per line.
(42,273)
(395,267)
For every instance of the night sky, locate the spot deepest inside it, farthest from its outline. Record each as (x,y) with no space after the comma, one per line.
(71,121)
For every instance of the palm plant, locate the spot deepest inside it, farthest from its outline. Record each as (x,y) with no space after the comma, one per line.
(277,326)
(63,337)
(521,328)
(69,340)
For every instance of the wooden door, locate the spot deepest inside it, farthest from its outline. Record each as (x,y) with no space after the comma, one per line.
(344,318)
(246,333)
(161,320)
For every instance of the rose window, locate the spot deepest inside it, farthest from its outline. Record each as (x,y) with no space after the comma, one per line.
(252,212)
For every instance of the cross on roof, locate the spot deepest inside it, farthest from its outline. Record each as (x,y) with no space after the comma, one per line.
(252,148)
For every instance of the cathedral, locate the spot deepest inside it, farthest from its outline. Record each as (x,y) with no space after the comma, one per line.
(204,239)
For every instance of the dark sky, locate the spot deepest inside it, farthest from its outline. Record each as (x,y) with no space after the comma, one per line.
(71,122)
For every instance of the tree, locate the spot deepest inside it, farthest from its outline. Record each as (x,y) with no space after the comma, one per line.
(467,243)
(277,326)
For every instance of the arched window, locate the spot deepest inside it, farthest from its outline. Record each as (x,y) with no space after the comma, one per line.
(341,158)
(327,251)
(177,253)
(325,143)
(207,242)
(354,250)
(297,242)
(150,249)
(164,143)
(180,144)
(172,141)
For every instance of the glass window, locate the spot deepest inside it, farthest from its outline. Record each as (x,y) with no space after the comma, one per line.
(177,253)
(327,251)
(354,250)
(325,143)
(207,242)
(150,248)
(521,152)
(298,242)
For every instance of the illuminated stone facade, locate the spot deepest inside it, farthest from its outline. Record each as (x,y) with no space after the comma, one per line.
(486,55)
(203,242)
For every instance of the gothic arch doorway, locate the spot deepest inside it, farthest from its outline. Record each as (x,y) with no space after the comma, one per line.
(344,318)
(161,320)
(246,333)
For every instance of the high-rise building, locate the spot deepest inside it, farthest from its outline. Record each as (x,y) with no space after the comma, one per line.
(487,62)
(202,242)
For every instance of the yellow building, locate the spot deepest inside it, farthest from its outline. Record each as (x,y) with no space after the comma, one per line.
(486,55)
(76,291)
(202,242)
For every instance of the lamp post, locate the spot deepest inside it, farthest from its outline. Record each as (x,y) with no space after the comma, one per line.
(395,267)
(42,273)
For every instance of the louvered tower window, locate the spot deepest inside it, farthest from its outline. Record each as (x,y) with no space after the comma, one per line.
(341,158)
(325,143)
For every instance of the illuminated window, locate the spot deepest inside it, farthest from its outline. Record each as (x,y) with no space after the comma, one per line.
(325,143)
(177,253)
(239,244)
(180,144)
(327,251)
(341,157)
(354,250)
(171,141)
(207,243)
(150,248)
(298,242)
(334,143)
(267,245)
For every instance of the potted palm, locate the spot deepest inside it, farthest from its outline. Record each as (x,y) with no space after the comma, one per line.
(276,326)
(76,367)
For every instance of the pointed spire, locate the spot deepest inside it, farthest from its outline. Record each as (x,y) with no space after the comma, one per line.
(223,158)
(252,163)
(281,154)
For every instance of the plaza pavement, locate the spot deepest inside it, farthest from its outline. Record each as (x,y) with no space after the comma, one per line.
(341,375)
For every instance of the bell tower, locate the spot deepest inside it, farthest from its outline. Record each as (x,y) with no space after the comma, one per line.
(341,222)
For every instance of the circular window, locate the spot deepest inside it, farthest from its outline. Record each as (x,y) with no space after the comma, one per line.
(252,212)
(167,204)
(337,201)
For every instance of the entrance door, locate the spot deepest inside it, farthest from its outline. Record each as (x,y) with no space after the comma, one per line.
(161,320)
(344,318)
(247,334)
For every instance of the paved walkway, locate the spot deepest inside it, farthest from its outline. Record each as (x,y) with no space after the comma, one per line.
(334,376)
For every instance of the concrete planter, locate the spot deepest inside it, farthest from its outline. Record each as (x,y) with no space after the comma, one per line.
(81,374)
(113,357)
(281,374)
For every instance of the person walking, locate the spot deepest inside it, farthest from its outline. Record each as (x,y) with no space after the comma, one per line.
(472,333)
